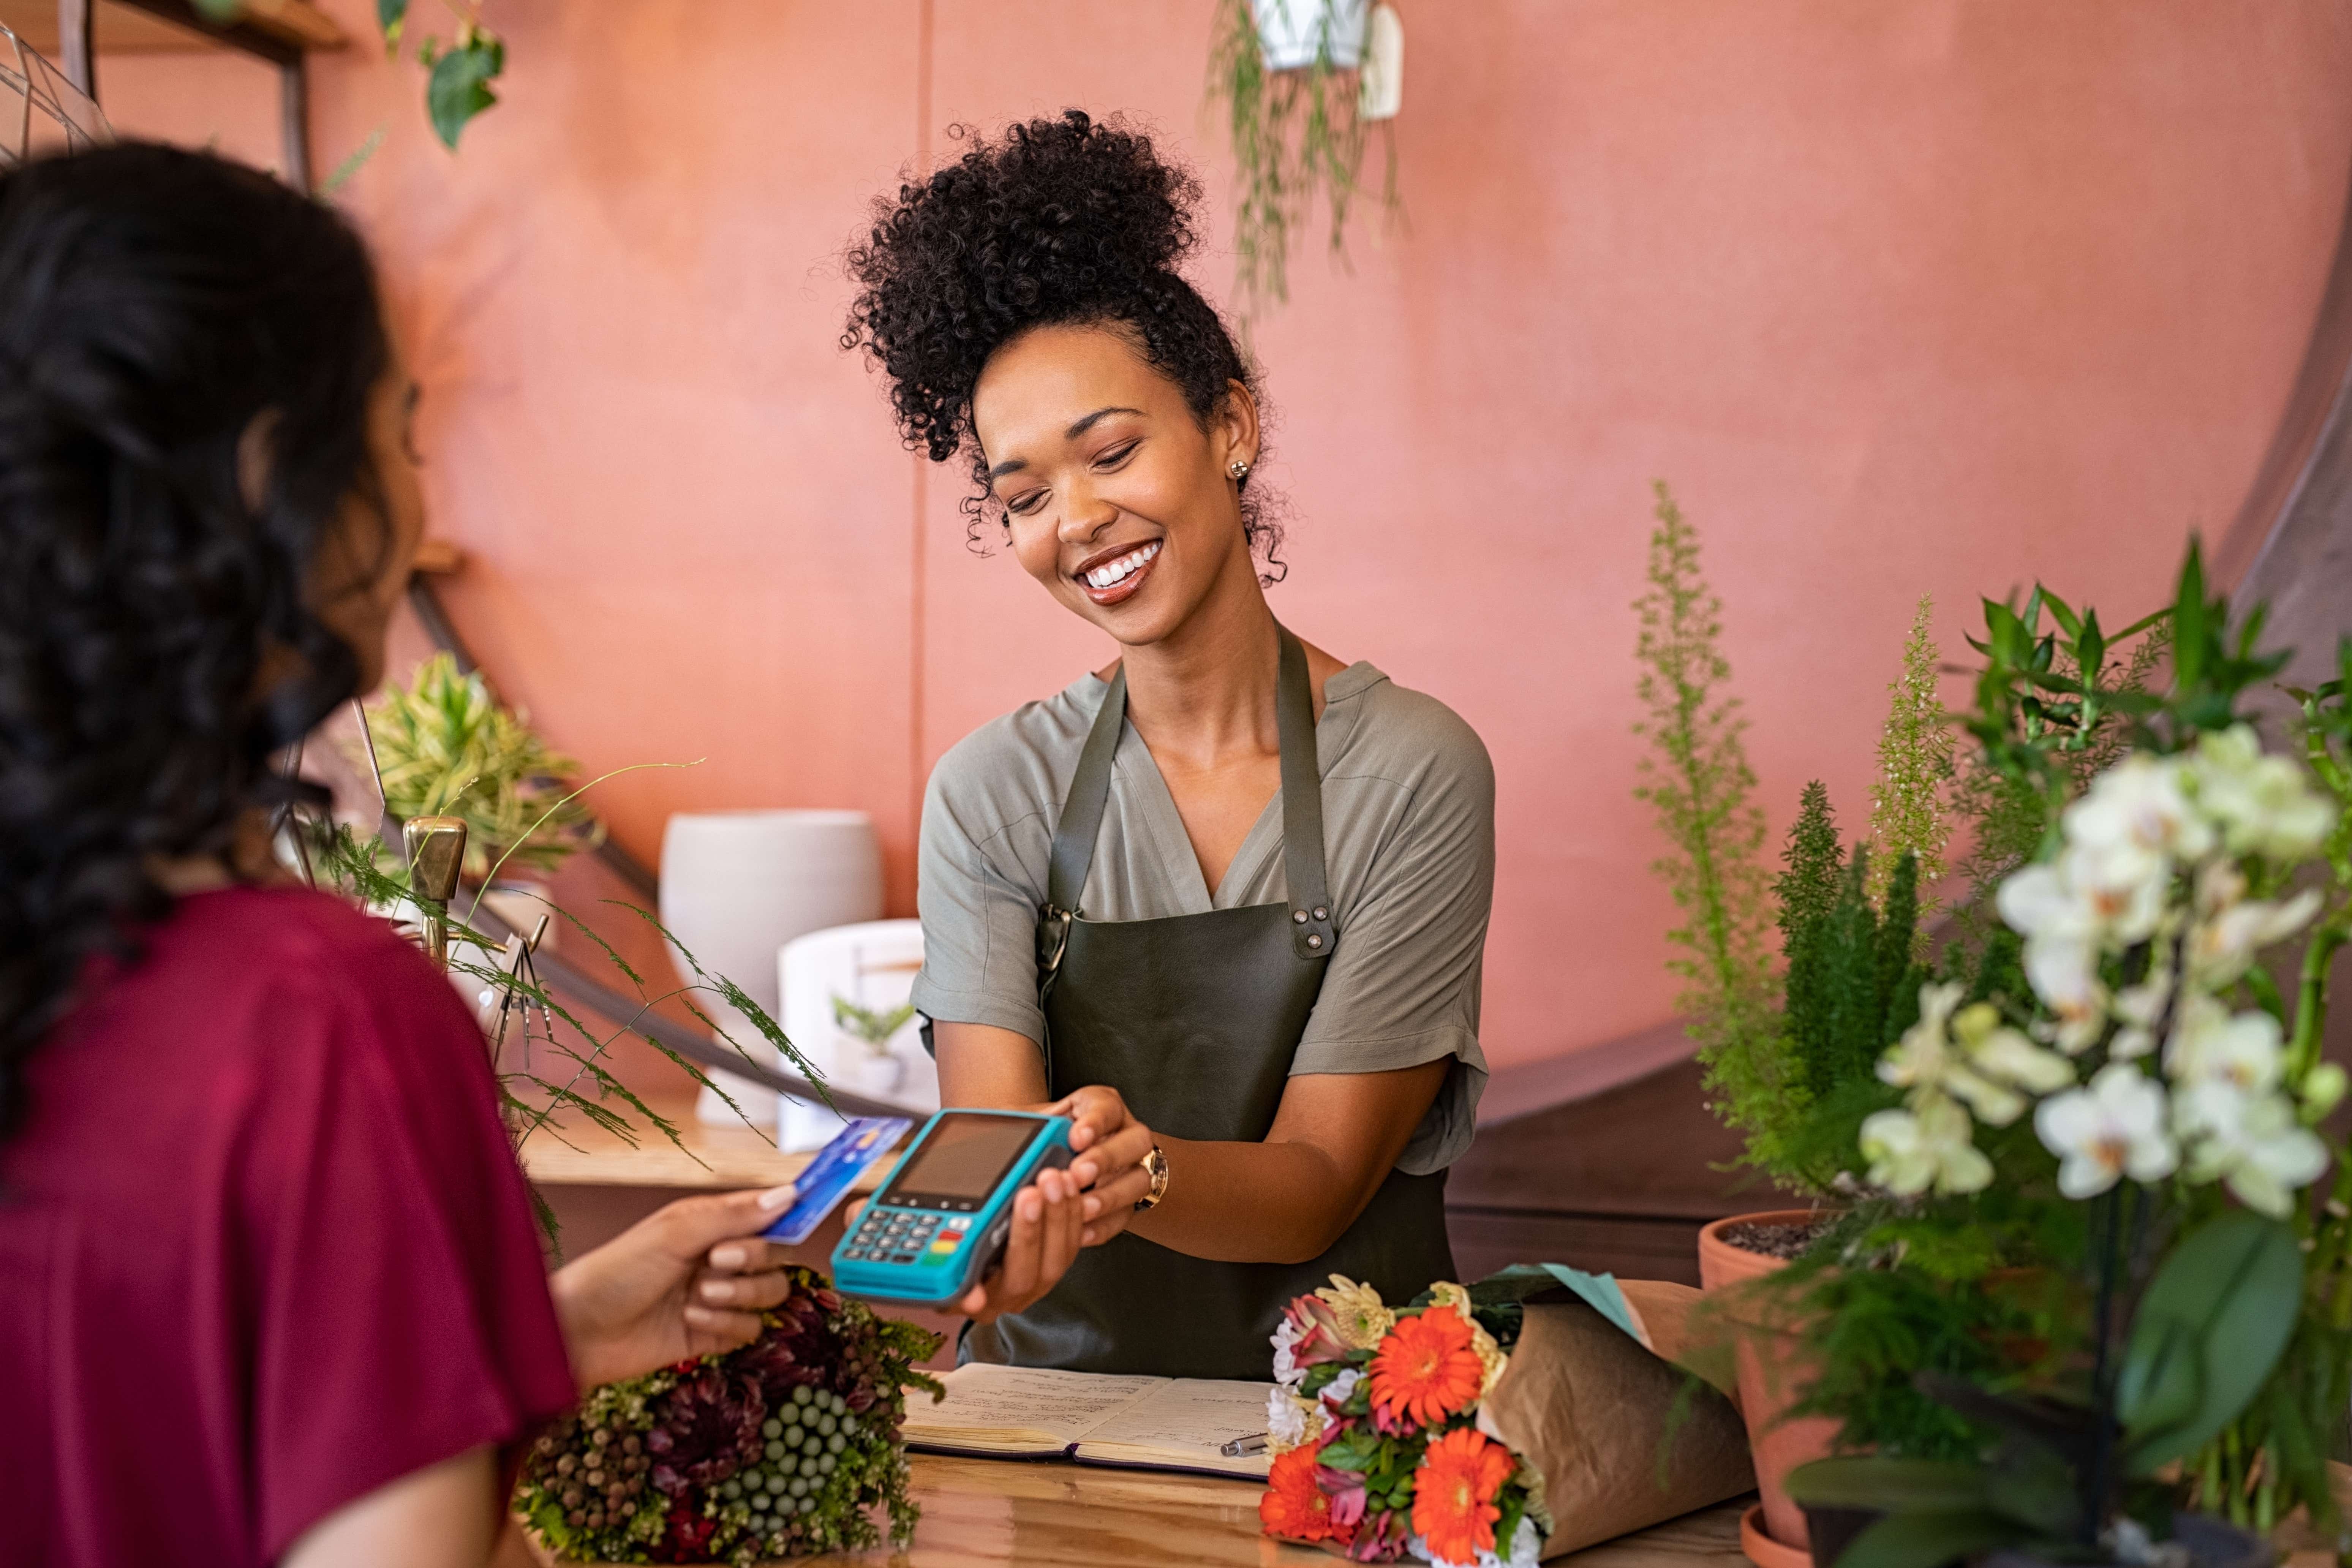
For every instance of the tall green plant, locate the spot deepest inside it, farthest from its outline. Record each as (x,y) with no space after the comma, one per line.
(1294,133)
(1698,782)
(1915,763)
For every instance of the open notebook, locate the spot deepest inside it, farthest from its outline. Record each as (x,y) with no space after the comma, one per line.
(1146,1423)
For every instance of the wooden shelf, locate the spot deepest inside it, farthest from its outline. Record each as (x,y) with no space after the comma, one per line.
(715,1159)
(144,29)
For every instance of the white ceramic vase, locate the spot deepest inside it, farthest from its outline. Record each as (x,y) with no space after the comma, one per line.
(1292,32)
(873,965)
(736,886)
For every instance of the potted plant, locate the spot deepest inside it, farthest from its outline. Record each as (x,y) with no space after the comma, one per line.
(442,746)
(2105,1088)
(1782,1047)
(880,1071)
(1301,98)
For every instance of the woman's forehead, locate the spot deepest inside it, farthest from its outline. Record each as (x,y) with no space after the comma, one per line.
(1038,384)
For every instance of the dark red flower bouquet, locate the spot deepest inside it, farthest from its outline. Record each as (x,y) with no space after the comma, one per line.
(781,1448)
(1379,1449)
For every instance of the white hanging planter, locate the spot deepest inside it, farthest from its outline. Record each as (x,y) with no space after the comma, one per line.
(1293,33)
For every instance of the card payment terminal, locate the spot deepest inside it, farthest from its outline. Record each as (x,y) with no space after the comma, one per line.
(938,1225)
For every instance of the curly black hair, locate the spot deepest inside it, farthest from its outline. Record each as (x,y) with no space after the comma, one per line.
(1057,221)
(154,304)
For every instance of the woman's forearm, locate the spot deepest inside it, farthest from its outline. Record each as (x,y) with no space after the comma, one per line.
(1252,1203)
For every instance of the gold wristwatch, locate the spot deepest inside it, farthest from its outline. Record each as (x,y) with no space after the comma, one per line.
(1156,1163)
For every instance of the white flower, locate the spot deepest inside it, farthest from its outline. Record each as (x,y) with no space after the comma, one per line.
(1923,1055)
(2223,947)
(2005,1055)
(1290,1422)
(2251,1141)
(1929,1146)
(2140,1007)
(2264,805)
(2062,951)
(2137,810)
(2208,1042)
(2114,1127)
(1287,1369)
(1336,1392)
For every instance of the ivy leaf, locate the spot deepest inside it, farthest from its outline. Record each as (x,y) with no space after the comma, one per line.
(459,86)
(391,17)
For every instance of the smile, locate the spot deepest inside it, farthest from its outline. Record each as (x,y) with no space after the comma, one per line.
(1109,582)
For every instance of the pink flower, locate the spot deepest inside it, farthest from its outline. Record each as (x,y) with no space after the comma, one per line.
(1346,1490)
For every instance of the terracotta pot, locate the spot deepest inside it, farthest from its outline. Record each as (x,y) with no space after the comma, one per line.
(1772,1374)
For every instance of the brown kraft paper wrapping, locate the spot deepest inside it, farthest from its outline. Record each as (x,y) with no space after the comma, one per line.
(1589,1407)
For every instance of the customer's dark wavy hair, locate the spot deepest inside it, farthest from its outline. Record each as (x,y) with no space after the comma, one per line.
(1055,222)
(155,304)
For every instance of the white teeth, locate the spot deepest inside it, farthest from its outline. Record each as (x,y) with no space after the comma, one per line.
(1119,571)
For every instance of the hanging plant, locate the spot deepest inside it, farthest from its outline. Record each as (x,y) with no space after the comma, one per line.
(457,86)
(1305,82)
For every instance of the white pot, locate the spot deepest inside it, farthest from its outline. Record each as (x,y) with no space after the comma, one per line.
(1292,33)
(737,885)
(880,1076)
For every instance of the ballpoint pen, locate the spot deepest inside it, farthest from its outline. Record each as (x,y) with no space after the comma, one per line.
(1253,1444)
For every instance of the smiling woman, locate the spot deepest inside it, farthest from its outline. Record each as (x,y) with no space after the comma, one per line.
(1222,901)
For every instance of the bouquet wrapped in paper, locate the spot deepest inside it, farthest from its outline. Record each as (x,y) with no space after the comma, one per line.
(1490,1426)
(783,1447)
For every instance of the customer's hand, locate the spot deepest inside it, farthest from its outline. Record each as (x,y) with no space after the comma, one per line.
(687,1281)
(1109,1144)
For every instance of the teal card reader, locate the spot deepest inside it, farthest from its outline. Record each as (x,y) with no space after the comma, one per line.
(938,1225)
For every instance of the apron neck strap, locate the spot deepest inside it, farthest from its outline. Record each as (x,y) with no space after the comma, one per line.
(1312,933)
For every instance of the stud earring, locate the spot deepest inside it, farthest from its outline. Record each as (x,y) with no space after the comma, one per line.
(1239,469)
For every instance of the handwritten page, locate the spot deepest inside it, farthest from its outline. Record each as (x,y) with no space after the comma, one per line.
(1186,1422)
(1020,1406)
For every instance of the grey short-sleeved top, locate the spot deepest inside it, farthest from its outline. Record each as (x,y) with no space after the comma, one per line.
(1409,838)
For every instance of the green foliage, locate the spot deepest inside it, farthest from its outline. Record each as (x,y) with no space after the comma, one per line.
(1915,762)
(2205,1339)
(444,747)
(458,74)
(872,1024)
(2210,1327)
(1698,783)
(1294,132)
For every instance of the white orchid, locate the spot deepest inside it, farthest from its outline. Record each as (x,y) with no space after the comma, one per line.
(2222,947)
(1929,1146)
(2208,1042)
(2137,815)
(2006,1055)
(2112,1128)
(2264,805)
(2247,1140)
(2139,1008)
(2062,935)
(1923,1055)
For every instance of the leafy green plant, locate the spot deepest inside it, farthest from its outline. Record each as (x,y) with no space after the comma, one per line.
(564,1060)
(2075,1478)
(1295,134)
(1699,783)
(442,746)
(458,72)
(873,1025)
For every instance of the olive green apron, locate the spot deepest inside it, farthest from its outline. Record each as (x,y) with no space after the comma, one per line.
(1195,1020)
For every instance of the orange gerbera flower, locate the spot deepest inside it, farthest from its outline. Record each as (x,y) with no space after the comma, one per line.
(1453,1505)
(1293,1506)
(1425,1369)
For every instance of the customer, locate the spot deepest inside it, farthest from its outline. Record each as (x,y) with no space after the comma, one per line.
(269,1287)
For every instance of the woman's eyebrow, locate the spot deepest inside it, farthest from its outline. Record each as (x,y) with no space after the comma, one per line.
(1088,423)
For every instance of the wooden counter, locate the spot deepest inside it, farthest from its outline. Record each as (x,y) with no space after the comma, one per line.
(983,1513)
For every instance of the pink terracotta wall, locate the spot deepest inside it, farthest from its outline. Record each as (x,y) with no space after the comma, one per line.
(1925,299)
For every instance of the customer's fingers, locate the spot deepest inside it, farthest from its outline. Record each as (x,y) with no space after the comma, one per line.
(694,1225)
(714,1330)
(749,1255)
(754,1291)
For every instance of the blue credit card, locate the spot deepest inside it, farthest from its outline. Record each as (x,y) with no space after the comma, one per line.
(834,1172)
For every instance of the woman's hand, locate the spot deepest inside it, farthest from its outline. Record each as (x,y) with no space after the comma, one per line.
(687,1281)
(1063,1210)
(1110,1145)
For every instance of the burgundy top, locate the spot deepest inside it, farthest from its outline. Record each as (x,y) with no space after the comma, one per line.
(262,1244)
